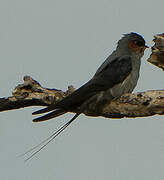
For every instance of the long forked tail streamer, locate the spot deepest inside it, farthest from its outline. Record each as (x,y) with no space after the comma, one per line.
(49,139)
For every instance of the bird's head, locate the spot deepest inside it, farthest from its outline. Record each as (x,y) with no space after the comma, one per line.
(133,43)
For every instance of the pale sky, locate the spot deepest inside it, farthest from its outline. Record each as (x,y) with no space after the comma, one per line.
(61,43)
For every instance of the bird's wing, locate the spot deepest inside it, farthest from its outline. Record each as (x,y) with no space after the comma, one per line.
(113,73)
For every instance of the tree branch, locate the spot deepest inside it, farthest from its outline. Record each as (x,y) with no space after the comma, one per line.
(141,104)
(157,56)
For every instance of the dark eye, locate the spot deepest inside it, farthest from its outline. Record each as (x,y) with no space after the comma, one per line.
(139,43)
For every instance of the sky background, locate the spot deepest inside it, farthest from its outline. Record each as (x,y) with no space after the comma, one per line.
(61,43)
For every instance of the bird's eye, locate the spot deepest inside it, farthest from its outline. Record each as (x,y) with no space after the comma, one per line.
(139,43)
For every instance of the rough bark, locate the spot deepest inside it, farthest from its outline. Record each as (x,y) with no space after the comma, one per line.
(157,56)
(141,104)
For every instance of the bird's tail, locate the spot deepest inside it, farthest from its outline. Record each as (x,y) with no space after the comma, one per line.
(44,110)
(48,116)
(46,141)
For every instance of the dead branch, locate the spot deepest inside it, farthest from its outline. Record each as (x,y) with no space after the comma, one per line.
(141,104)
(157,56)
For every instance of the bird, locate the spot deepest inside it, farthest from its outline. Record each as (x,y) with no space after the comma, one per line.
(117,75)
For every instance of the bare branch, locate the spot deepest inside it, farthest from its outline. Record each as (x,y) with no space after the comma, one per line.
(157,56)
(31,93)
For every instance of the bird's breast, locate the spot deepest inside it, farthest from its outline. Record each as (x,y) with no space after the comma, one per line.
(126,86)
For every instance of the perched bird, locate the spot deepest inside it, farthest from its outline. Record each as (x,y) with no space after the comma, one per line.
(117,75)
